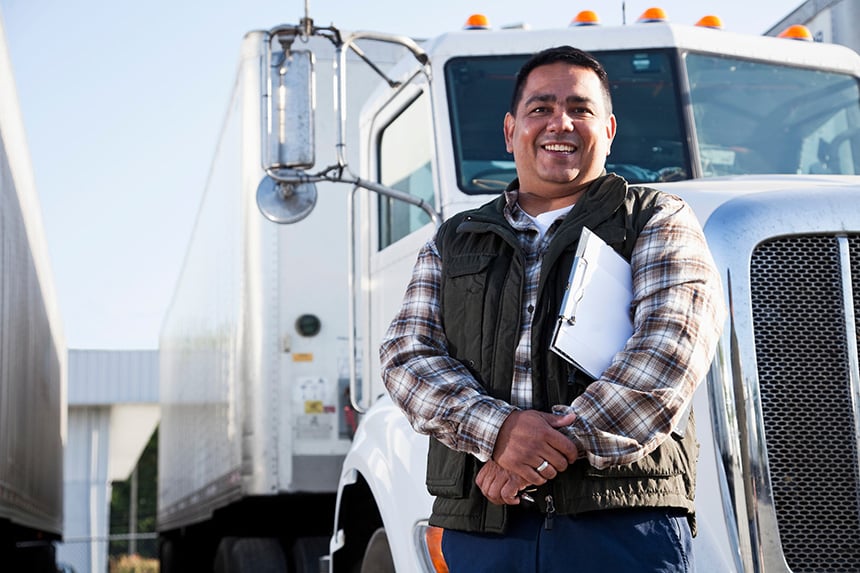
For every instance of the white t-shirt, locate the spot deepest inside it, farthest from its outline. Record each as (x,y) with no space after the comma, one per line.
(544,220)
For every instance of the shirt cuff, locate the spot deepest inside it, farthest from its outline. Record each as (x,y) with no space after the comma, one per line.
(488,417)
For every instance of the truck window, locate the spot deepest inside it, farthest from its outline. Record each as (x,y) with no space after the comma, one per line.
(650,144)
(757,117)
(405,153)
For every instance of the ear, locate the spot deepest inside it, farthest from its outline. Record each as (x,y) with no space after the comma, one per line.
(510,123)
(611,125)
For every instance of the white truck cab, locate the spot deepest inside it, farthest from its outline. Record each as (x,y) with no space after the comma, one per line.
(761,137)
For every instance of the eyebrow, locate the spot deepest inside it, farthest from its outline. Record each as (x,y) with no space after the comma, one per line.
(545,98)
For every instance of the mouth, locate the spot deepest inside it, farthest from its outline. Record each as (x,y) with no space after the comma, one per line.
(559,147)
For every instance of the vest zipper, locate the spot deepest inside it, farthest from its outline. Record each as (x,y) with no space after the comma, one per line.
(550,512)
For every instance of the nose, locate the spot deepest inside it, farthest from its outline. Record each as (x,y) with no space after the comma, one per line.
(560,122)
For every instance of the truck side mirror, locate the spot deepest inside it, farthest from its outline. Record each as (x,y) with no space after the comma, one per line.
(288,102)
(291,106)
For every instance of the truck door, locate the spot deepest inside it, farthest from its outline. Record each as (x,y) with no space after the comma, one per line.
(400,155)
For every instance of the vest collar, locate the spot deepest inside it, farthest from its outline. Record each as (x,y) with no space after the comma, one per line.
(599,202)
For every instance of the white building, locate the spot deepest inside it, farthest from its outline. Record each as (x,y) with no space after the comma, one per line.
(113,410)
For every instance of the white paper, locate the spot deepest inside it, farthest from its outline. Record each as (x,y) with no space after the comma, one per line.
(594,319)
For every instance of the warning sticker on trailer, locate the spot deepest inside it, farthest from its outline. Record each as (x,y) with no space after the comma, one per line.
(314,407)
(314,402)
(315,427)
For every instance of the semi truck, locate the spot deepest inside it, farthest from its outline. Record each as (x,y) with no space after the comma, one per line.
(32,357)
(343,151)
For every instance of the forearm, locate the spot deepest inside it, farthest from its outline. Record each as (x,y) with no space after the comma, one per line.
(438,394)
(678,316)
(441,398)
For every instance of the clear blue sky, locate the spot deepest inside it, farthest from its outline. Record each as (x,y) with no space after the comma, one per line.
(123,102)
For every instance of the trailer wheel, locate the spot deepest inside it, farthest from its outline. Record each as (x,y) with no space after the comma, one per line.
(169,556)
(250,555)
(307,552)
(377,556)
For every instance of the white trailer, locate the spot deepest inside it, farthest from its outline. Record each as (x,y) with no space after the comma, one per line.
(32,358)
(760,135)
(253,352)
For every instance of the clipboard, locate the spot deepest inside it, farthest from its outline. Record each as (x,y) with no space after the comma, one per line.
(594,320)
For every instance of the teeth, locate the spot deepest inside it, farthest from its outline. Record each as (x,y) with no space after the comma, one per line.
(559,147)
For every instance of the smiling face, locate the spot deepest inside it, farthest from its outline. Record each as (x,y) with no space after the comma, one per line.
(559,135)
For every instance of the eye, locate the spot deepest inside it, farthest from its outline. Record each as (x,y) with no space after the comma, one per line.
(538,109)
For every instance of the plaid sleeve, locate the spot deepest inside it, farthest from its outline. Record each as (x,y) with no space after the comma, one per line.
(436,392)
(678,316)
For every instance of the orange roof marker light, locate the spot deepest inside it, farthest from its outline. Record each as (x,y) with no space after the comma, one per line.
(710,21)
(585,18)
(797,32)
(653,15)
(477,22)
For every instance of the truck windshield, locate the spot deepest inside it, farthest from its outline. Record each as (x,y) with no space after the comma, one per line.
(650,144)
(756,117)
(749,118)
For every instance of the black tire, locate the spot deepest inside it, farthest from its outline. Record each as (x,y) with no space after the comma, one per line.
(307,552)
(377,556)
(169,558)
(250,555)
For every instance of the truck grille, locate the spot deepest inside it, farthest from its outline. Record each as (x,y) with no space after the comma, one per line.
(804,369)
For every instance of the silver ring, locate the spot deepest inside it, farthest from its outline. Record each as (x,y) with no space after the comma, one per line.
(542,467)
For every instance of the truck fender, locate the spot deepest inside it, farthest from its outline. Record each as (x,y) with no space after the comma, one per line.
(382,485)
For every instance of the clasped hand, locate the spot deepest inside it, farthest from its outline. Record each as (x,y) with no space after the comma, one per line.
(526,439)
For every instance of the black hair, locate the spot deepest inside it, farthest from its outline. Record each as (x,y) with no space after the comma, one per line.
(569,55)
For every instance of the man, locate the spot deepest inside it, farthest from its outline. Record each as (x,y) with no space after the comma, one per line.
(536,467)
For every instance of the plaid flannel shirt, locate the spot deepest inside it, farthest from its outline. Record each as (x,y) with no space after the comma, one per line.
(678,314)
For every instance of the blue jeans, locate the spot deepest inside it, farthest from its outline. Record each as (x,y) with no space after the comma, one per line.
(635,540)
